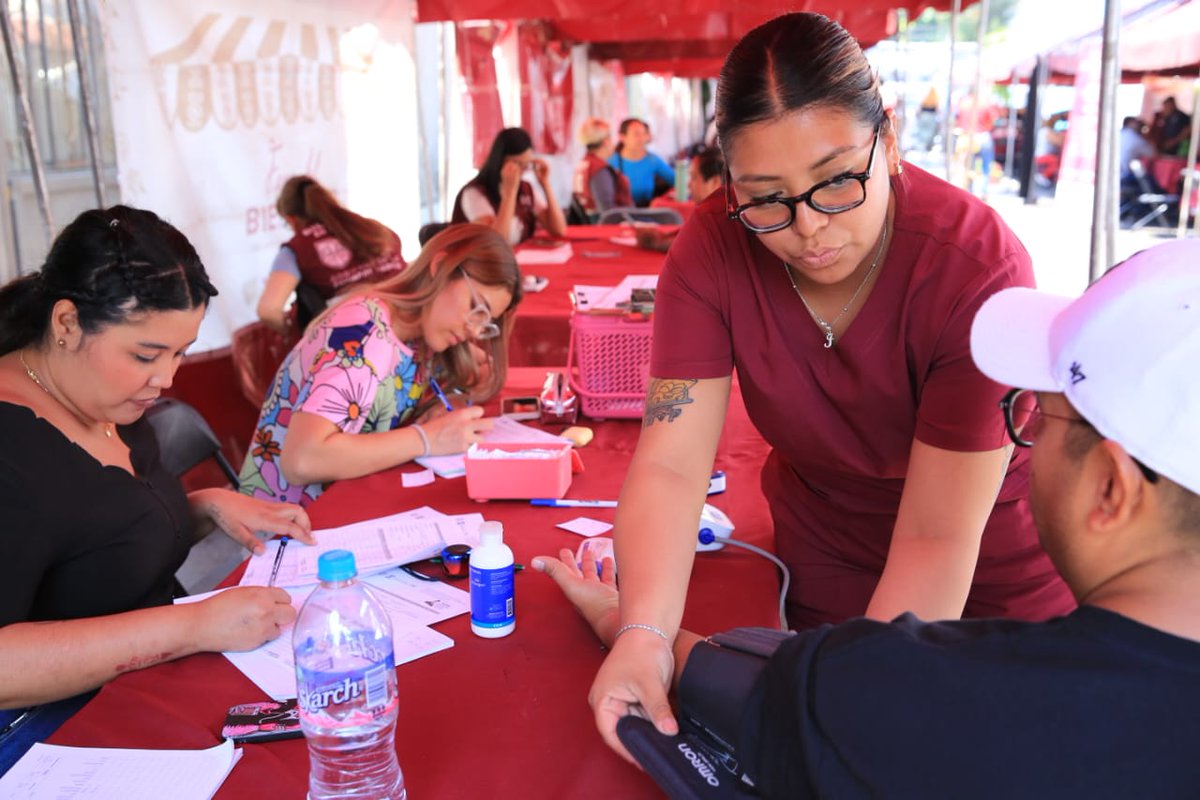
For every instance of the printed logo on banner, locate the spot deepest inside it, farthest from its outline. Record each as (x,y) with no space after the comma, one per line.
(239,70)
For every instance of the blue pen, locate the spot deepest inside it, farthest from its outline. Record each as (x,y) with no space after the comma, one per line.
(441,395)
(550,501)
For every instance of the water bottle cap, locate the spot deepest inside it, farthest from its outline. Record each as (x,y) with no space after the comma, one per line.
(491,533)
(336,565)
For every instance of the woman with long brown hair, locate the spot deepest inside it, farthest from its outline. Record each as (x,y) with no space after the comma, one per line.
(365,365)
(332,250)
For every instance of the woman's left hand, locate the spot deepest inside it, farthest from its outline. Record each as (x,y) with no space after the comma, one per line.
(241,517)
(541,170)
(592,590)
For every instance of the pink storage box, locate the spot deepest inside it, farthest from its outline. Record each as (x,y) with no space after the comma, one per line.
(609,364)
(520,478)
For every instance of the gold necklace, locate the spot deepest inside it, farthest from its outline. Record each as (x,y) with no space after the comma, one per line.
(108,426)
(821,323)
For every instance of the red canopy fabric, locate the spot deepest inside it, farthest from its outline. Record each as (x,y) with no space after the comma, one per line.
(458,10)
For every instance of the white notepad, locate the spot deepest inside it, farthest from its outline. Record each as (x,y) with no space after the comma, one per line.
(52,772)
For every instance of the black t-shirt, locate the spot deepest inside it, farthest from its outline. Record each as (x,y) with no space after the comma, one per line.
(80,539)
(1092,704)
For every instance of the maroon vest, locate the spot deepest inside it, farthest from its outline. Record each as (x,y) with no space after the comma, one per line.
(524,211)
(585,170)
(329,266)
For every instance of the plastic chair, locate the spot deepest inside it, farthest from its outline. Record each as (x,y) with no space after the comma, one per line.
(185,439)
(1158,202)
(257,351)
(663,216)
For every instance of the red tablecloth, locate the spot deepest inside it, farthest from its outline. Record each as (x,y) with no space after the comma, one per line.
(542,331)
(684,207)
(500,718)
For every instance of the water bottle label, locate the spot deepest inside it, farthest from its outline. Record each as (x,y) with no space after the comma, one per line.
(331,694)
(492,597)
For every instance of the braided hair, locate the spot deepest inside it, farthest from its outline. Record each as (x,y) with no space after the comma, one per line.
(110,263)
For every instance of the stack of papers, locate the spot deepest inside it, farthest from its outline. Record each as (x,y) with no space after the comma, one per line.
(606,298)
(537,251)
(411,603)
(51,772)
(505,430)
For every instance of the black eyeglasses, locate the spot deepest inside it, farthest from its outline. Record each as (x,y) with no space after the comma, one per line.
(839,193)
(1023,419)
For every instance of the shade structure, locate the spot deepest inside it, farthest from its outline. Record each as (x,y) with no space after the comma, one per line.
(686,37)
(1161,37)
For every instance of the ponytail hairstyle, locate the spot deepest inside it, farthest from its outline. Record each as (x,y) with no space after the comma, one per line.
(485,256)
(112,264)
(791,63)
(302,197)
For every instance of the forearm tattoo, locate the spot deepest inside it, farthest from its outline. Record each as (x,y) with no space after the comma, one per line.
(665,400)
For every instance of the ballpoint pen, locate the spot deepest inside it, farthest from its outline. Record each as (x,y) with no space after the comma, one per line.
(278,560)
(550,501)
(441,395)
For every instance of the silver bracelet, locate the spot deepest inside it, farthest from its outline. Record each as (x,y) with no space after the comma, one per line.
(424,439)
(641,626)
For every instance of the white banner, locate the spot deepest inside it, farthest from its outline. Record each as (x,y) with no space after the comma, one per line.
(216,103)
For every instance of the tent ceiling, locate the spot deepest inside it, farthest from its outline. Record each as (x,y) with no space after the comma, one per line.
(689,38)
(462,10)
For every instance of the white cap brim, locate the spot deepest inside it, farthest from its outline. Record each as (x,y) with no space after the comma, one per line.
(1010,338)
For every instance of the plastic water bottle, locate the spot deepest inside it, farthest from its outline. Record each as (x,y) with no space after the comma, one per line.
(346,684)
(492,603)
(681,179)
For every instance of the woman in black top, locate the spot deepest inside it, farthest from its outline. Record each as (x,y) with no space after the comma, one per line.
(94,528)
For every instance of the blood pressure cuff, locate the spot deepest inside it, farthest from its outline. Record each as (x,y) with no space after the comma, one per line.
(702,762)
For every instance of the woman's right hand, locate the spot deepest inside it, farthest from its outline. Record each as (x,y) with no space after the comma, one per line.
(634,680)
(455,431)
(242,618)
(510,177)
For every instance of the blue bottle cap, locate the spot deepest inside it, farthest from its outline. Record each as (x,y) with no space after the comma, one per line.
(336,565)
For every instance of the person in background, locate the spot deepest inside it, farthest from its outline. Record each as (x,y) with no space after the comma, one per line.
(94,526)
(1133,145)
(928,120)
(597,186)
(706,173)
(840,282)
(332,251)
(499,197)
(345,401)
(858,709)
(1048,147)
(649,176)
(1175,131)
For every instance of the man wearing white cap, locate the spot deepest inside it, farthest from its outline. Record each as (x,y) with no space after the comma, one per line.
(1100,703)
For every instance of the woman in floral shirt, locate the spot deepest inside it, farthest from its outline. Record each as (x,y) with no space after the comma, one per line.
(364,366)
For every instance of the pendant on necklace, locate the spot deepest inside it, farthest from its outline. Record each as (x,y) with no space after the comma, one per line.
(828,338)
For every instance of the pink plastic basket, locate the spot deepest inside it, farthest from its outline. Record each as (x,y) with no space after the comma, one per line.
(609,363)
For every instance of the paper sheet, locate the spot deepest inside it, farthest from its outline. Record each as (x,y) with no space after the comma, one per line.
(505,430)
(586,526)
(53,772)
(411,605)
(376,543)
(413,479)
(605,298)
(529,254)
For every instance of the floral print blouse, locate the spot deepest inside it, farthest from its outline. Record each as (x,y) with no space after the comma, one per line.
(350,369)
